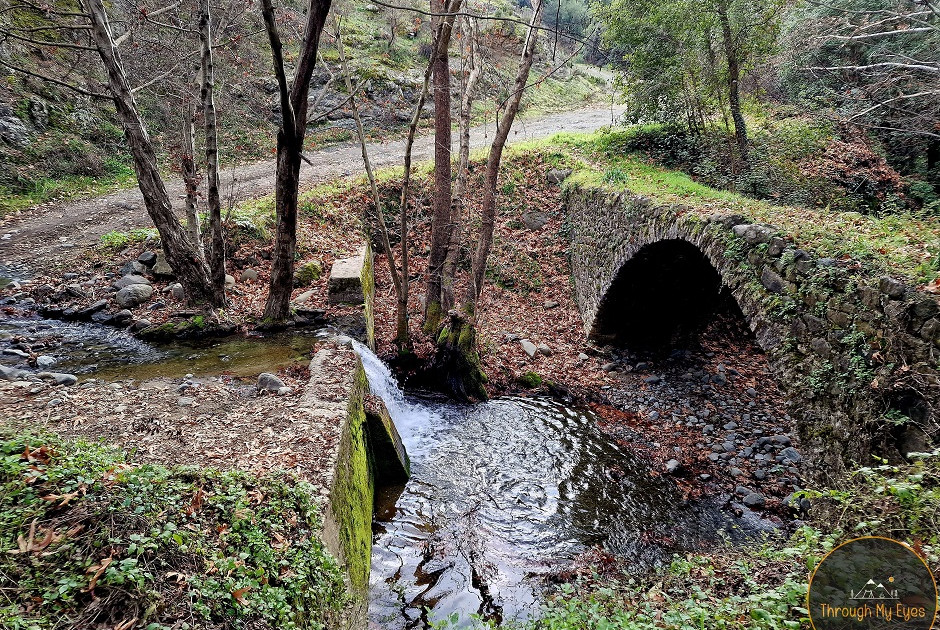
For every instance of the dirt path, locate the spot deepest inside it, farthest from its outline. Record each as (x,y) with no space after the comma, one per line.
(34,238)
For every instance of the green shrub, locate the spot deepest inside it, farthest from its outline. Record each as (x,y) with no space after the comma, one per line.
(89,540)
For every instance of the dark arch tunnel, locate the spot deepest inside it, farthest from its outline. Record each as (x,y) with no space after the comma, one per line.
(662,298)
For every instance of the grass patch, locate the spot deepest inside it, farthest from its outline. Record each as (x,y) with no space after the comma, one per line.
(115,240)
(65,189)
(90,540)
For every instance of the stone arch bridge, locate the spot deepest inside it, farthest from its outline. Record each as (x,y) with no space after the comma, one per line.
(846,349)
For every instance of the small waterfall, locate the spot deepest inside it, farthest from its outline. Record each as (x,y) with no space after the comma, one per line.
(407,414)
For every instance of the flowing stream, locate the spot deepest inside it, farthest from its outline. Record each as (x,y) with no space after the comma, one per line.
(506,491)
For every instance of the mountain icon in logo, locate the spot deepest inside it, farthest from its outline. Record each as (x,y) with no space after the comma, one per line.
(874,591)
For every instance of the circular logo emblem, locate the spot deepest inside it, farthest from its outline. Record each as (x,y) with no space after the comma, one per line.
(872,582)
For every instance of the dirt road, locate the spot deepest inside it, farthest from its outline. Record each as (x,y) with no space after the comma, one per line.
(35,237)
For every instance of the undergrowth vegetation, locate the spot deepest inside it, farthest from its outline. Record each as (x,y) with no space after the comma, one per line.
(89,539)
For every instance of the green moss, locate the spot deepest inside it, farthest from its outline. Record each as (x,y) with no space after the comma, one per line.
(353,490)
(307,273)
(530,380)
(432,319)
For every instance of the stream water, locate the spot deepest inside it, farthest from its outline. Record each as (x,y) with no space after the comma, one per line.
(505,492)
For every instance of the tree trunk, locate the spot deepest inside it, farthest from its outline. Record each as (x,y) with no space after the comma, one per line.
(188,168)
(402,336)
(443,194)
(457,357)
(216,255)
(734,79)
(187,264)
(449,275)
(488,211)
(290,141)
(442,39)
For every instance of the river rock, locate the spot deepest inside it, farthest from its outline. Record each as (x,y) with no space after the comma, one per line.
(44,361)
(130,279)
(147,258)
(90,311)
(133,295)
(161,268)
(140,324)
(529,347)
(12,374)
(121,318)
(269,382)
(755,500)
(16,352)
(58,378)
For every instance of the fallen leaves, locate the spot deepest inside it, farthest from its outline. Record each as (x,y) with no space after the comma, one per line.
(932,287)
(97,570)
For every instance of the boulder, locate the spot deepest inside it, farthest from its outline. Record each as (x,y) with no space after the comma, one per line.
(44,361)
(229,281)
(39,113)
(535,220)
(307,273)
(133,295)
(12,374)
(133,267)
(304,297)
(557,175)
(268,382)
(248,275)
(12,129)
(58,378)
(529,347)
(130,279)
(755,500)
(175,290)
(148,259)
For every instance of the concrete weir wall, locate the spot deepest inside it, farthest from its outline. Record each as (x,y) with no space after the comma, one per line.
(360,440)
(856,355)
(365,452)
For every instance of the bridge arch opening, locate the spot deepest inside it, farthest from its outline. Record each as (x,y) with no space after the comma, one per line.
(662,297)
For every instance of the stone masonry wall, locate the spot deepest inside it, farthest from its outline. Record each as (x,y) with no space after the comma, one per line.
(856,355)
